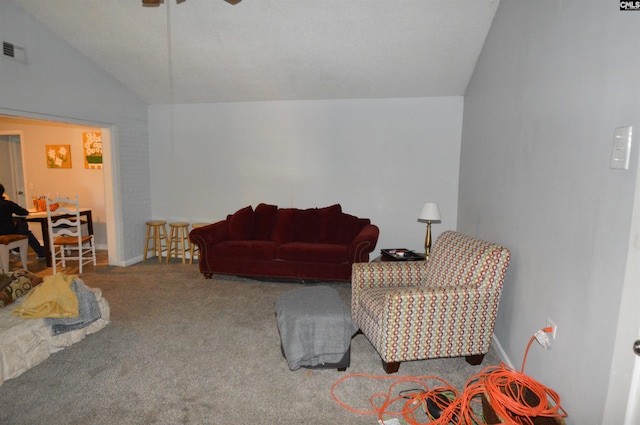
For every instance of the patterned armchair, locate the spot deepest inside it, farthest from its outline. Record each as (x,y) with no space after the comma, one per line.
(443,307)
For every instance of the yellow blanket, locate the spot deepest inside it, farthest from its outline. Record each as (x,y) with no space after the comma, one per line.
(52,298)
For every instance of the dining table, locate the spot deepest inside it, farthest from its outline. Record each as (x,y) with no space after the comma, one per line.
(41,217)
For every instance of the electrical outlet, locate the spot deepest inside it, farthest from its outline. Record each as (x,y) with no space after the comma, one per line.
(543,339)
(553,326)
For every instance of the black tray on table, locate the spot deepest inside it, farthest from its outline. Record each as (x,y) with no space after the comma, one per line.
(401,254)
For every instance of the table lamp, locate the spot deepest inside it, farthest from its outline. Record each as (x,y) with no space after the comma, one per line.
(429,213)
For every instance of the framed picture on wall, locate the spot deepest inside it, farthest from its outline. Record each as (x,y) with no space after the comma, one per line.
(58,156)
(92,145)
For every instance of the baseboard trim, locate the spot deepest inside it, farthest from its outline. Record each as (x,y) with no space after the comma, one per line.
(501,353)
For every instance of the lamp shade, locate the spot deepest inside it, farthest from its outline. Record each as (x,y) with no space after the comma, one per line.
(429,212)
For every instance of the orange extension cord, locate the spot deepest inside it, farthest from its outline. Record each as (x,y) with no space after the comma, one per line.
(510,393)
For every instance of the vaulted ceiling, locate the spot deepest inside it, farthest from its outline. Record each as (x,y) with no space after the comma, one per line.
(206,51)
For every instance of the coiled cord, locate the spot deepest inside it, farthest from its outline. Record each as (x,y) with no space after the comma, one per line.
(514,397)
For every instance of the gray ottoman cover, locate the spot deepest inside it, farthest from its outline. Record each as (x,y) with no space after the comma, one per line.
(315,326)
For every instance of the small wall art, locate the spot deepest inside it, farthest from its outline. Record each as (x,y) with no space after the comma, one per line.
(92,144)
(58,156)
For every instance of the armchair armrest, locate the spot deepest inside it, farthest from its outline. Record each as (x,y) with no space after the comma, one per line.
(443,321)
(364,243)
(387,274)
(390,274)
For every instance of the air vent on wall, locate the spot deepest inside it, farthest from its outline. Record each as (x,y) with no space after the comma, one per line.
(12,51)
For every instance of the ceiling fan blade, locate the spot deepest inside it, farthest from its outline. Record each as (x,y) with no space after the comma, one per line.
(154,3)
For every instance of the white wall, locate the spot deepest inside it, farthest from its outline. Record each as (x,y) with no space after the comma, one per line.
(553,81)
(380,159)
(60,84)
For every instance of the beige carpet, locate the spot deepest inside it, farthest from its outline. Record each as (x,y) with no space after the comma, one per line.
(185,350)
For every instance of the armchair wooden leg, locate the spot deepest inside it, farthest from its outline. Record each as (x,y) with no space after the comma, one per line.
(474,360)
(391,367)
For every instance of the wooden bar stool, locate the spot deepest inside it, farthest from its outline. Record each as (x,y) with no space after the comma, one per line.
(157,234)
(178,240)
(193,248)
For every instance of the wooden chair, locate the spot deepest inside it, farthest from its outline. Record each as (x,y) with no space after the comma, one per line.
(9,242)
(65,234)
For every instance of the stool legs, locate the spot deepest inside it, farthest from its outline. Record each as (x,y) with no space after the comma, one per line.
(178,240)
(157,235)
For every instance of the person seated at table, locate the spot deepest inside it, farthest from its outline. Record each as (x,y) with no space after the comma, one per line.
(9,225)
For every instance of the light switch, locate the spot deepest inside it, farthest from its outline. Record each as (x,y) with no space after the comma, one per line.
(621,148)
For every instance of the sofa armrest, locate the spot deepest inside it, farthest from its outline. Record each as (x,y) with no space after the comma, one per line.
(364,243)
(205,237)
(209,235)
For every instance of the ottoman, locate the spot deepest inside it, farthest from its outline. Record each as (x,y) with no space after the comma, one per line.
(315,328)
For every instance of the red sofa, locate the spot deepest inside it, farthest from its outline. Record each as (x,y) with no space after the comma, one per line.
(314,243)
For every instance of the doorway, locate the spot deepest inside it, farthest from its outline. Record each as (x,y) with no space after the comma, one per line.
(27,137)
(11,171)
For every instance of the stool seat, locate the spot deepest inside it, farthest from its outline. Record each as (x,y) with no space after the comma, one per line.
(9,242)
(315,328)
(178,240)
(156,223)
(157,234)
(179,224)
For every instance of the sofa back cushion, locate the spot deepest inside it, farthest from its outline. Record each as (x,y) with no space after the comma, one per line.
(342,229)
(240,224)
(330,219)
(264,220)
(351,226)
(307,225)
(296,225)
(285,225)
(316,225)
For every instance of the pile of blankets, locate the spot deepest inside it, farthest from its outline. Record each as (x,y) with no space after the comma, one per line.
(64,301)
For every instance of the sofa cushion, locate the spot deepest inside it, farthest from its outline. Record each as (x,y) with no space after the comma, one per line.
(241,224)
(246,250)
(313,252)
(264,219)
(285,225)
(346,229)
(307,224)
(330,223)
(351,226)
(338,227)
